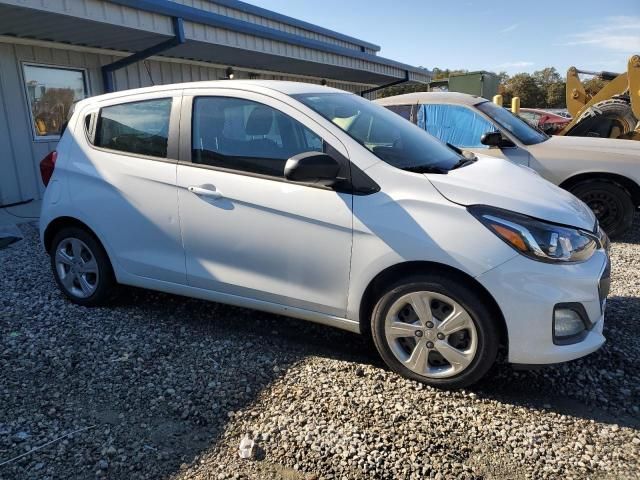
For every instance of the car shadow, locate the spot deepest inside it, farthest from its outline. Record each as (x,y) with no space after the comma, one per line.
(587,388)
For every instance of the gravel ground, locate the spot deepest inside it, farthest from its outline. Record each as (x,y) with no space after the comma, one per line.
(166,387)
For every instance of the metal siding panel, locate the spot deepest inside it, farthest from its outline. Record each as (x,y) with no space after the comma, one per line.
(20,129)
(267,22)
(186,73)
(176,73)
(9,186)
(156,73)
(121,81)
(133,76)
(24,52)
(60,57)
(165,70)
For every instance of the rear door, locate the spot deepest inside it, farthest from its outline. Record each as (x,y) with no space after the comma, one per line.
(122,177)
(247,231)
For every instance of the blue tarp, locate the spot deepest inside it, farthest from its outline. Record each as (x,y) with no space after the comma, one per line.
(454,124)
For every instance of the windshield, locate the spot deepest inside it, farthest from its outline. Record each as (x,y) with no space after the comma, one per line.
(516,126)
(386,134)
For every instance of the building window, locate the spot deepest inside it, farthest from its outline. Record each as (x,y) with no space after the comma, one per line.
(51,92)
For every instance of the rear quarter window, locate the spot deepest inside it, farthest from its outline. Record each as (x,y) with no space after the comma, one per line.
(141,128)
(405,111)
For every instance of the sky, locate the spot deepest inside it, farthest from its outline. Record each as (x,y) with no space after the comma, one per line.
(496,35)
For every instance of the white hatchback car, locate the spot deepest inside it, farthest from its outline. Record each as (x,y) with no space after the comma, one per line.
(602,172)
(315,203)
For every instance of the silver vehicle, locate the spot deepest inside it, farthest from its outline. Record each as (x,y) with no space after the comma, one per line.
(602,172)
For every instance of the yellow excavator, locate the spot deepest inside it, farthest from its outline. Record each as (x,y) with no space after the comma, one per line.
(613,112)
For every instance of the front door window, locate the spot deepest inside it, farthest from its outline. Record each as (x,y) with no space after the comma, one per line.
(247,136)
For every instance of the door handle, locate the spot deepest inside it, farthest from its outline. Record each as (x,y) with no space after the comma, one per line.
(206,192)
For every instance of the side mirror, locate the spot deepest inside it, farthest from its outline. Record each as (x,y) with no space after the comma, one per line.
(312,167)
(491,139)
(495,139)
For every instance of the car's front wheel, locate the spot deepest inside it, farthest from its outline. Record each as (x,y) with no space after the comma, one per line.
(611,203)
(435,330)
(81,267)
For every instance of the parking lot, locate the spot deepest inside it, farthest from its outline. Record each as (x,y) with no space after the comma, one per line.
(165,387)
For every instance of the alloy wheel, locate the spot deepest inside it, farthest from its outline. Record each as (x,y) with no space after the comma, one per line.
(431,334)
(76,268)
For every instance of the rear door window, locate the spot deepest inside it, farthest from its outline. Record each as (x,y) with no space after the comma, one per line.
(141,128)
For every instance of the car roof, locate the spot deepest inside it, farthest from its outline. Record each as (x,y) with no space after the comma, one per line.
(285,87)
(431,97)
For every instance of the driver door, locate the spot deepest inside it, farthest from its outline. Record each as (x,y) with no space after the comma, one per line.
(463,127)
(247,231)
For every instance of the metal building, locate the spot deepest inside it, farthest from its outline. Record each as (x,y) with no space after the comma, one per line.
(55,52)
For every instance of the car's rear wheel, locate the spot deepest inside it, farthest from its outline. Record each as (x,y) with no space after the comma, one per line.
(436,331)
(81,267)
(611,203)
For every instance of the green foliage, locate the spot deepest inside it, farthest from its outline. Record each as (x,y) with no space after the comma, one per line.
(543,89)
(593,85)
(526,87)
(439,74)
(553,87)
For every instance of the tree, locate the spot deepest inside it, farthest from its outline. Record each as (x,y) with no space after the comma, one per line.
(526,87)
(593,85)
(553,87)
(556,95)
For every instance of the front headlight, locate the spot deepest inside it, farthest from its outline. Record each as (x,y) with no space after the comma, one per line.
(537,239)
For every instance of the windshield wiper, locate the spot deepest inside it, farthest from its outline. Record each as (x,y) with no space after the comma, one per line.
(425,169)
(463,162)
(454,148)
(466,159)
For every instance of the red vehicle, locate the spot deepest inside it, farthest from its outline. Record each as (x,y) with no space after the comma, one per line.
(545,120)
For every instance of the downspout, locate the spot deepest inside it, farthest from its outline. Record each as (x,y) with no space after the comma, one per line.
(178,39)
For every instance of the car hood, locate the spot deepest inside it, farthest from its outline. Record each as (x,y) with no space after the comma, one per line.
(588,147)
(503,184)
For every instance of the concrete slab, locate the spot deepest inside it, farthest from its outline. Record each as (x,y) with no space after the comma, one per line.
(28,212)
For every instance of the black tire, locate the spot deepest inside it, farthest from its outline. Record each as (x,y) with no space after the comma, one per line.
(105,284)
(611,118)
(488,337)
(611,203)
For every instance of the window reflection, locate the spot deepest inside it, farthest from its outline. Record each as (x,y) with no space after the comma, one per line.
(51,92)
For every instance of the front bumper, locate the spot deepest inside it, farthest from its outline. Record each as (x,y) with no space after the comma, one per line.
(527,292)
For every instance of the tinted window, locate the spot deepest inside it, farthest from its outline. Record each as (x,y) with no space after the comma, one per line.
(138,127)
(248,136)
(403,110)
(385,134)
(515,125)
